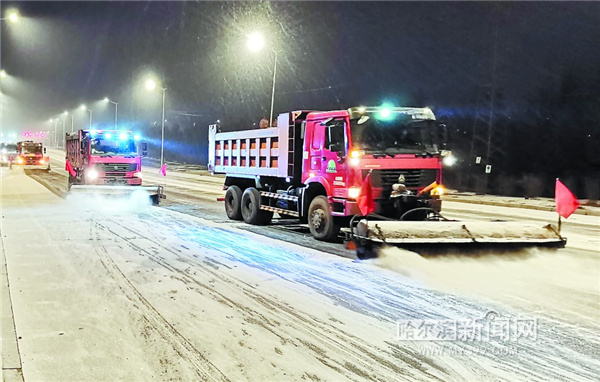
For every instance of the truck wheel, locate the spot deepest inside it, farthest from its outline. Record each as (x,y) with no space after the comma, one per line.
(233,203)
(250,208)
(320,221)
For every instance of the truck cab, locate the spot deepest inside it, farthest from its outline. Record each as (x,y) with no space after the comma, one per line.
(396,146)
(30,156)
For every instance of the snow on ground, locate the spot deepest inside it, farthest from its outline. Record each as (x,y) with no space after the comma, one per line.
(106,290)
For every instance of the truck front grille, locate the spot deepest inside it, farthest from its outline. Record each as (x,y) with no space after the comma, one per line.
(116,167)
(412,179)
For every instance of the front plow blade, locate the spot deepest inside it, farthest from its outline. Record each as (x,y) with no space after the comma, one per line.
(442,235)
(155,192)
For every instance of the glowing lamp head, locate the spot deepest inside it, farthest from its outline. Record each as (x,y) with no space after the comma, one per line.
(13,16)
(123,136)
(255,42)
(93,133)
(150,84)
(108,135)
(137,137)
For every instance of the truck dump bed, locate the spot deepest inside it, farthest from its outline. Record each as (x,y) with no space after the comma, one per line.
(274,151)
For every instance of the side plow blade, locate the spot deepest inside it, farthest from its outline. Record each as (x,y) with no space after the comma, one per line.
(434,236)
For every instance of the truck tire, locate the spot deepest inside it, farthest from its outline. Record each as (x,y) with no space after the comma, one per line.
(250,208)
(321,223)
(233,203)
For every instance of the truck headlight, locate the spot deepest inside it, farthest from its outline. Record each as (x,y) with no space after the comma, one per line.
(449,160)
(353,192)
(439,191)
(92,174)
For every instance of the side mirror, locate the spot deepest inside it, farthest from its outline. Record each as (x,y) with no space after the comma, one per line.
(144,146)
(44,150)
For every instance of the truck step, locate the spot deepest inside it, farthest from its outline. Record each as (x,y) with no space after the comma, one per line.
(280,210)
(274,195)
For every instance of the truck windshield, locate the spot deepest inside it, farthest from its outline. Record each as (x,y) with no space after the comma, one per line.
(32,149)
(395,136)
(108,147)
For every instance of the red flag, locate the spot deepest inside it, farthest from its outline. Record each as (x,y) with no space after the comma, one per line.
(566,202)
(163,170)
(366,204)
(70,168)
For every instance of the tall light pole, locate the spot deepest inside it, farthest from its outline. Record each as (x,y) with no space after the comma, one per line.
(255,43)
(83,107)
(65,113)
(106,99)
(151,85)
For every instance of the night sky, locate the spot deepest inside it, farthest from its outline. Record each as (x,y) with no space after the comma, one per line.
(333,55)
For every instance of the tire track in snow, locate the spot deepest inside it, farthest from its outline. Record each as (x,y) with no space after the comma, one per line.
(359,357)
(203,367)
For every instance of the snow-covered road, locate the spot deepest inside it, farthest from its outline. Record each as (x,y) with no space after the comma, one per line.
(107,290)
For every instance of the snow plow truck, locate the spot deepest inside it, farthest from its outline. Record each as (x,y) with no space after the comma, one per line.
(375,172)
(30,156)
(107,162)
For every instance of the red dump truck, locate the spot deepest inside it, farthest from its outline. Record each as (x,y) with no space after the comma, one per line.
(314,164)
(107,162)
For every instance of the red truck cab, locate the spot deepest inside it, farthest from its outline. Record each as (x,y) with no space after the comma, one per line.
(30,156)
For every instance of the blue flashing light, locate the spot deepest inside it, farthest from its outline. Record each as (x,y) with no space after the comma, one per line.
(108,135)
(93,133)
(123,136)
(136,137)
(385,112)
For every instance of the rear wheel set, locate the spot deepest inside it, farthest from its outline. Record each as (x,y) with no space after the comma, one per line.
(246,206)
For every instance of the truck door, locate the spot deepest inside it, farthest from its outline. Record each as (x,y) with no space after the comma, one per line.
(333,155)
(316,143)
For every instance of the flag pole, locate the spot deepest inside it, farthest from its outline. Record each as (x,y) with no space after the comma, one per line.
(559,223)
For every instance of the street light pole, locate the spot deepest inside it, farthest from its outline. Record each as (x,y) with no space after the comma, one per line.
(151,85)
(72,115)
(106,99)
(55,132)
(273,92)
(90,110)
(162,139)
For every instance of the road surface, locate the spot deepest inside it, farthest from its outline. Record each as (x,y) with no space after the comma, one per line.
(103,289)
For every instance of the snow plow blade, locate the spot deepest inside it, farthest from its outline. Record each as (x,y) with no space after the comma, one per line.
(434,236)
(155,192)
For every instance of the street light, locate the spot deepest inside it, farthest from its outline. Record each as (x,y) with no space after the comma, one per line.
(106,99)
(151,85)
(2,73)
(12,15)
(255,43)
